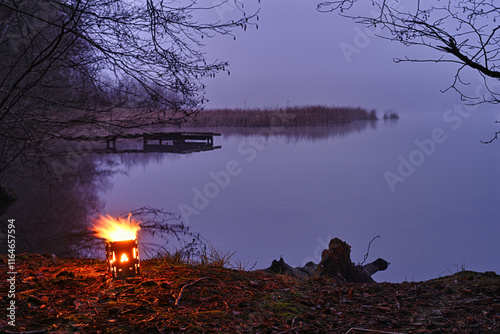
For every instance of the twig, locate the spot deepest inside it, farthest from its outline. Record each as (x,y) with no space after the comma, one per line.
(135,308)
(368,250)
(287,331)
(492,139)
(29,332)
(185,286)
(363,330)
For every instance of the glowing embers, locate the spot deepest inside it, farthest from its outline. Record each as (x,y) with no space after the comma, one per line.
(122,251)
(123,258)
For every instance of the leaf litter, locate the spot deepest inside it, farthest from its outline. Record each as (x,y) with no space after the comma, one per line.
(60,295)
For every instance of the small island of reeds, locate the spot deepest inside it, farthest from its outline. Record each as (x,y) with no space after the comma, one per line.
(287,116)
(391,115)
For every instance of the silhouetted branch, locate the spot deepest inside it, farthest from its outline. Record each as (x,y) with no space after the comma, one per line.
(72,67)
(495,137)
(368,250)
(159,222)
(466,31)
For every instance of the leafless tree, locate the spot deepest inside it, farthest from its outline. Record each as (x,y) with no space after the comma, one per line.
(463,32)
(73,67)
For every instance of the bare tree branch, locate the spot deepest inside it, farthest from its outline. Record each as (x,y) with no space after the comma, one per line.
(73,66)
(463,32)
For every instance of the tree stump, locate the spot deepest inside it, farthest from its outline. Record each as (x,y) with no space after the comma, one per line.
(336,263)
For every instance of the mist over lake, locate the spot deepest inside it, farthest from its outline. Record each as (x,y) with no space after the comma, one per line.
(249,166)
(424,183)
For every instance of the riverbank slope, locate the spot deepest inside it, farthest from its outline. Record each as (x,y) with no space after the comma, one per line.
(56,295)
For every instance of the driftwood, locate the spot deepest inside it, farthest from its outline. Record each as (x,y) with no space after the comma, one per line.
(335,262)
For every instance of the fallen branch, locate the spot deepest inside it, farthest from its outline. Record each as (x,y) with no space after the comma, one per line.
(29,332)
(368,250)
(363,330)
(185,286)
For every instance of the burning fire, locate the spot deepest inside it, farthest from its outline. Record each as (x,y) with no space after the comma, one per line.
(116,229)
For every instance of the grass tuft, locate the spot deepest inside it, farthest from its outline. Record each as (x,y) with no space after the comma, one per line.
(216,258)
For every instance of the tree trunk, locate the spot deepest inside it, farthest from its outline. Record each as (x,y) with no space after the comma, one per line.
(335,262)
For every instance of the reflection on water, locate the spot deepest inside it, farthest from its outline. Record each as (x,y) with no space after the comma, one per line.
(58,197)
(286,191)
(52,210)
(296,133)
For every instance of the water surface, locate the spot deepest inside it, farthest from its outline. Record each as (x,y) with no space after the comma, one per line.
(425,184)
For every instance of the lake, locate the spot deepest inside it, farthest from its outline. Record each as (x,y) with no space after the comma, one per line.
(424,184)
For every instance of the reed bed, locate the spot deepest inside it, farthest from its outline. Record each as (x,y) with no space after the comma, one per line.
(288,116)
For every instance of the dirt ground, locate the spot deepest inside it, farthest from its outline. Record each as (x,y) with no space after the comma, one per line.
(55,295)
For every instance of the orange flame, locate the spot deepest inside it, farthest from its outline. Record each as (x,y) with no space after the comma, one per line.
(116,229)
(124,258)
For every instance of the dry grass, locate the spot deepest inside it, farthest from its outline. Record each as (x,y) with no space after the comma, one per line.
(205,255)
(289,116)
(78,296)
(216,258)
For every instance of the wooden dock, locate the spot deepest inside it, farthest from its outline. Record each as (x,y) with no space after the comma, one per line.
(173,142)
(179,142)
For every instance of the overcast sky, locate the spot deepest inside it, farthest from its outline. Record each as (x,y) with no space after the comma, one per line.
(299,56)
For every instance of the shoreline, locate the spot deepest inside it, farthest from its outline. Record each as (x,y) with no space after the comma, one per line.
(60,295)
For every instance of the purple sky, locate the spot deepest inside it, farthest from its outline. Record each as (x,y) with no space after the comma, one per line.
(295,57)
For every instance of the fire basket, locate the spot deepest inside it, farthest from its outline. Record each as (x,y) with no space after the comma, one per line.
(123,258)
(122,250)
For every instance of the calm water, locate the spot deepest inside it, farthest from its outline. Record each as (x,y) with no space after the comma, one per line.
(425,184)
